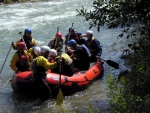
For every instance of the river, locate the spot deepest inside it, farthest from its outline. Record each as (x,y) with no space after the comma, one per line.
(44,18)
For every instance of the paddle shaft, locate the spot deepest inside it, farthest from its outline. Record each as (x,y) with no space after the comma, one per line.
(68,38)
(23,40)
(59,99)
(70,32)
(5,59)
(56,37)
(60,71)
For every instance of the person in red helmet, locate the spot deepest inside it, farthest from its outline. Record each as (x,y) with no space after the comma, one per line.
(20,60)
(56,42)
(27,38)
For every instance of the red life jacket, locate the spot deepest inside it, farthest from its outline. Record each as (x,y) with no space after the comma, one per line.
(22,58)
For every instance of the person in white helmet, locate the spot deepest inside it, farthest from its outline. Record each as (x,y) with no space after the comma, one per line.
(39,67)
(93,45)
(66,64)
(34,52)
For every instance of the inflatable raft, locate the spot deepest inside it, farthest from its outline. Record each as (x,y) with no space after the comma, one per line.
(23,82)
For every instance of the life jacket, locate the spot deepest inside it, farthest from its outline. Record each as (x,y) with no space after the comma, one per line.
(22,58)
(59,43)
(94,44)
(38,71)
(65,59)
(28,43)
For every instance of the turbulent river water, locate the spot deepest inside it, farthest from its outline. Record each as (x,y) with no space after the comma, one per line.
(44,18)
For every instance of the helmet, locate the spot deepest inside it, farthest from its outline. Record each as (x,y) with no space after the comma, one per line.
(89,32)
(59,34)
(20,45)
(28,30)
(79,33)
(72,42)
(52,52)
(44,49)
(37,50)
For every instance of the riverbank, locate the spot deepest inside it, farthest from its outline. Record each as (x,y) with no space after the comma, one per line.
(2,2)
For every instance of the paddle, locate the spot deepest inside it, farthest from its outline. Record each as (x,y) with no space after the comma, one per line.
(59,99)
(6,58)
(68,38)
(56,37)
(70,32)
(23,40)
(112,63)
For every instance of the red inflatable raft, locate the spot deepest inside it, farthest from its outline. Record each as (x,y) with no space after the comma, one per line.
(79,81)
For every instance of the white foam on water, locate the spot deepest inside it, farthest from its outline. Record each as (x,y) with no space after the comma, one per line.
(26,14)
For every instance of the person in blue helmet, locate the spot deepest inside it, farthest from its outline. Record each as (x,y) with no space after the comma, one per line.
(80,55)
(27,38)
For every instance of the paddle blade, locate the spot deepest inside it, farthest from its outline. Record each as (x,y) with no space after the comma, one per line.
(59,99)
(113,64)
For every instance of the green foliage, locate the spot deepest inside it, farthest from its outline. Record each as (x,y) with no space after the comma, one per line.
(8,1)
(13,1)
(117,12)
(131,93)
(122,100)
(120,13)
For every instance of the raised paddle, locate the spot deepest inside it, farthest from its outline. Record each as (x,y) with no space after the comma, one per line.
(111,63)
(68,38)
(6,58)
(70,32)
(59,99)
(56,37)
(23,40)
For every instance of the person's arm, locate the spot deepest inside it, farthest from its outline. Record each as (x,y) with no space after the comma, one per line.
(83,35)
(34,42)
(41,61)
(60,45)
(98,48)
(28,55)
(31,53)
(14,45)
(51,44)
(68,49)
(13,61)
(73,56)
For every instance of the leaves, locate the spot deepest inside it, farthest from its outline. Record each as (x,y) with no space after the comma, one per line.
(132,93)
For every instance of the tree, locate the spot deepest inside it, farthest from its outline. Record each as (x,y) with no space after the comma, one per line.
(134,17)
(123,13)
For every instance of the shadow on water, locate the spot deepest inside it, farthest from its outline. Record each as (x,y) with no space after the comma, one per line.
(25,103)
